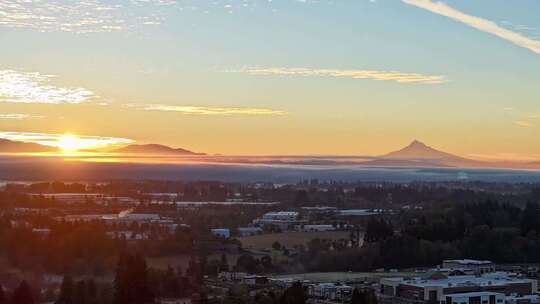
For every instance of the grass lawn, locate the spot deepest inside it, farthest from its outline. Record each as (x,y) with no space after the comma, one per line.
(289,239)
(343,276)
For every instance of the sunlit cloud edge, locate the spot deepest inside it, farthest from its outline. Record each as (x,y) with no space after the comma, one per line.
(208,110)
(394,76)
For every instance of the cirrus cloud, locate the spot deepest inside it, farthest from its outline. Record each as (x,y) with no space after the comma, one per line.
(208,111)
(395,76)
(478,23)
(523,124)
(81,17)
(18,116)
(34,87)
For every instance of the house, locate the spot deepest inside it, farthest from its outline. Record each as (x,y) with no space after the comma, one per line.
(222,232)
(284,220)
(232,276)
(477,266)
(330,291)
(255,280)
(317,228)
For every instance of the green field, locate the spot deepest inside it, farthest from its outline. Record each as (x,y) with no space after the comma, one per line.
(289,239)
(344,276)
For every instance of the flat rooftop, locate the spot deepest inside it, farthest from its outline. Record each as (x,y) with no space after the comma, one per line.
(490,279)
(469,262)
(474,294)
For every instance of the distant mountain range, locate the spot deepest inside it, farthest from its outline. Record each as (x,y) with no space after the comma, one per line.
(415,155)
(154,149)
(10,146)
(418,154)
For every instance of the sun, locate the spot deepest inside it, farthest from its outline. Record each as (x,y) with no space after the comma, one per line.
(70,143)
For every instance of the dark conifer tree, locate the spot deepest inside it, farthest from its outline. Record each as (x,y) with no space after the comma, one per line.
(66,291)
(3,299)
(131,282)
(294,295)
(23,294)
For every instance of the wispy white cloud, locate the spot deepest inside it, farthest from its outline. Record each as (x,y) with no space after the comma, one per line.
(400,77)
(101,16)
(18,116)
(55,140)
(523,124)
(89,16)
(33,87)
(209,111)
(478,23)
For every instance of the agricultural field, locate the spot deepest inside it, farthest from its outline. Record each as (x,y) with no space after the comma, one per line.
(289,239)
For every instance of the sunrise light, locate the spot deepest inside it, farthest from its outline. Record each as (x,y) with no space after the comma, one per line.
(71,143)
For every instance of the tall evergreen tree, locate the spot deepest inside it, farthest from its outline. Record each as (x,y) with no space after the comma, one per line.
(23,294)
(131,282)
(224,264)
(358,297)
(294,295)
(3,299)
(80,294)
(91,292)
(66,291)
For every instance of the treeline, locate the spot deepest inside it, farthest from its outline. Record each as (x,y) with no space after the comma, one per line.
(488,230)
(368,195)
(134,283)
(82,247)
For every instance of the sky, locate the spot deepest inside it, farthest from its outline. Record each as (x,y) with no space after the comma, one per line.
(275,77)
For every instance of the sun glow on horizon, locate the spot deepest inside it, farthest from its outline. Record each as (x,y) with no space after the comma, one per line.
(67,143)
(71,143)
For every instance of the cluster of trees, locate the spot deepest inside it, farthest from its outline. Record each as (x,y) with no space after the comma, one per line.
(131,281)
(48,187)
(378,229)
(68,248)
(171,283)
(363,296)
(134,283)
(83,291)
(296,294)
(248,263)
(488,230)
(21,295)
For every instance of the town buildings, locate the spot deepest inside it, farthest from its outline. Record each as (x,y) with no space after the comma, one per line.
(477,266)
(434,287)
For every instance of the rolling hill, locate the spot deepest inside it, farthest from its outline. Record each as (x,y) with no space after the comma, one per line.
(10,146)
(154,149)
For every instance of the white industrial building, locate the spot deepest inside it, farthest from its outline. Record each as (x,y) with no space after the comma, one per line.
(477,266)
(484,297)
(284,220)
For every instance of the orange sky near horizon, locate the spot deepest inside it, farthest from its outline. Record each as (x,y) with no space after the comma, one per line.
(277,77)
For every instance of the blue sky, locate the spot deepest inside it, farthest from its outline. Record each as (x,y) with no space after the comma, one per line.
(315,77)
